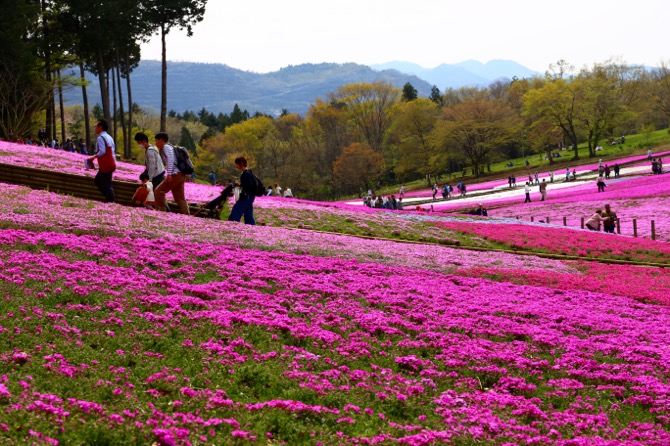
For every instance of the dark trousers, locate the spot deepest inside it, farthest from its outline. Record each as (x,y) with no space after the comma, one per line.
(103,180)
(158,179)
(527,198)
(243,208)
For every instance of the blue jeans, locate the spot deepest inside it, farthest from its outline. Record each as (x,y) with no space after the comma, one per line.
(243,208)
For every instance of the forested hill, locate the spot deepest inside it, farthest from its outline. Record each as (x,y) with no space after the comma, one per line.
(192,86)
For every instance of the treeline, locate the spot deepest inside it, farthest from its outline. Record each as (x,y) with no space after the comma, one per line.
(41,38)
(364,134)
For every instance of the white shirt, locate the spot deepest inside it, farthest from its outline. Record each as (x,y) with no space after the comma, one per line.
(527,188)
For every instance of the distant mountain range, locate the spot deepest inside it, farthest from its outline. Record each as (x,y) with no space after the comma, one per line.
(217,87)
(464,74)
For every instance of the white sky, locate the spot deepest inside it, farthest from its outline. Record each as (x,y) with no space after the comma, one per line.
(265,35)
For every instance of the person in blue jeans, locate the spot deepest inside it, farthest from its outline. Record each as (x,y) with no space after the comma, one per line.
(245,205)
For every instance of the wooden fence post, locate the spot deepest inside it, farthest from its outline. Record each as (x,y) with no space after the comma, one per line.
(653,230)
(618,226)
(634,228)
(532,219)
(582,222)
(547,220)
(565,221)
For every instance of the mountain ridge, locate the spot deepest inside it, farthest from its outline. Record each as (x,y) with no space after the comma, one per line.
(218,87)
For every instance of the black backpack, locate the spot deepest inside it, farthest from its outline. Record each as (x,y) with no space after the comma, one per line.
(183,160)
(260,189)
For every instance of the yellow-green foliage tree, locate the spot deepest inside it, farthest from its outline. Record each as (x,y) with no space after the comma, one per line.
(413,132)
(476,127)
(371,108)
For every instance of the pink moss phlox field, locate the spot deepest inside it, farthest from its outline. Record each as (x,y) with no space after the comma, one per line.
(559,240)
(23,207)
(559,174)
(467,358)
(73,163)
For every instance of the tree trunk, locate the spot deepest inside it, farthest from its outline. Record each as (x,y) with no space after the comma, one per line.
(61,106)
(87,118)
(52,104)
(49,124)
(163,82)
(114,117)
(130,104)
(104,87)
(126,147)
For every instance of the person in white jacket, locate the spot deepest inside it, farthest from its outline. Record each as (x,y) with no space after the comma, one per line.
(593,223)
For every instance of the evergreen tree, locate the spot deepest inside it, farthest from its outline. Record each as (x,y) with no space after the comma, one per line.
(409,93)
(436,96)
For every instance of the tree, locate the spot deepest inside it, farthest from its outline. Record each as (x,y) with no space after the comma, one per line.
(476,127)
(413,129)
(168,14)
(557,102)
(371,108)
(186,140)
(436,96)
(23,89)
(608,92)
(409,93)
(662,79)
(357,167)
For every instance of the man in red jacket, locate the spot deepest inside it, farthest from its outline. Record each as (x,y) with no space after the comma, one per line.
(105,153)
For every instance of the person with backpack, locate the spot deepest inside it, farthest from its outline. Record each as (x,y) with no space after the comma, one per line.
(244,207)
(104,152)
(174,180)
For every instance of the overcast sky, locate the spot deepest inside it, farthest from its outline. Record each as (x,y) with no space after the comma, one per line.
(265,35)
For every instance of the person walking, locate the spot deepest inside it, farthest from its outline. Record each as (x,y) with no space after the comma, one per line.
(152,160)
(174,180)
(601,183)
(105,154)
(244,207)
(527,190)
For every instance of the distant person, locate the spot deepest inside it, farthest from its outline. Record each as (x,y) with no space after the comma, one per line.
(212,178)
(567,174)
(480,211)
(402,191)
(593,223)
(601,183)
(551,176)
(277,190)
(610,224)
(288,193)
(616,170)
(174,179)
(105,154)
(244,207)
(574,174)
(399,205)
(649,153)
(543,189)
(526,189)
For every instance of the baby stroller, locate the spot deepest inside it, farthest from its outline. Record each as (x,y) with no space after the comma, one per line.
(213,208)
